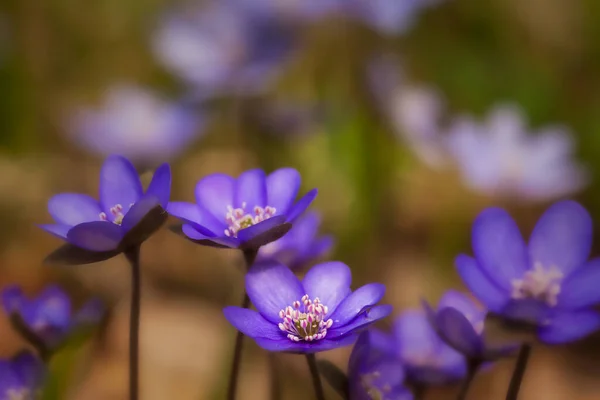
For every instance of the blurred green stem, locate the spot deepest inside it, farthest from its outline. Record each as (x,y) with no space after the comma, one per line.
(249,257)
(517,377)
(133,256)
(316,379)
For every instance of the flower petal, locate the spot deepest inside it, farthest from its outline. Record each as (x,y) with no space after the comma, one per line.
(272,287)
(458,332)
(252,324)
(30,370)
(363,297)
(138,211)
(12,299)
(282,189)
(214,193)
(218,241)
(201,219)
(119,183)
(562,237)
(89,314)
(361,321)
(499,247)
(479,284)
(464,304)
(527,311)
(414,335)
(303,347)
(96,236)
(251,189)
(264,232)
(570,326)
(160,186)
(51,308)
(301,205)
(57,230)
(330,282)
(73,208)
(581,289)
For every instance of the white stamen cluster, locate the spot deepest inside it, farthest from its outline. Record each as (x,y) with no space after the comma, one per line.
(19,394)
(374,392)
(238,219)
(539,283)
(307,325)
(117,212)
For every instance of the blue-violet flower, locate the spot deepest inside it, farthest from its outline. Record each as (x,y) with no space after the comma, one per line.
(21,377)
(316,314)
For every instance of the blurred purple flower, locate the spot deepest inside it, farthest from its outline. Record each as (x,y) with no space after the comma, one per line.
(247,212)
(459,321)
(21,377)
(501,158)
(426,358)
(548,284)
(101,226)
(49,315)
(300,245)
(374,374)
(222,48)
(137,124)
(316,314)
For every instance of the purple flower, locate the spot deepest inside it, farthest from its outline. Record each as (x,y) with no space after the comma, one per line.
(223,48)
(548,284)
(137,124)
(300,245)
(105,226)
(374,374)
(247,212)
(316,314)
(21,377)
(500,158)
(49,316)
(426,358)
(459,321)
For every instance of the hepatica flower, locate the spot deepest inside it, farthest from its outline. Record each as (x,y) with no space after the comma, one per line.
(373,374)
(107,226)
(426,358)
(247,212)
(460,322)
(21,377)
(49,316)
(501,158)
(300,245)
(316,314)
(136,123)
(547,284)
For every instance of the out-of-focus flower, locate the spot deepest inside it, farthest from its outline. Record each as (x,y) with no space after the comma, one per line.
(548,284)
(459,321)
(247,212)
(137,124)
(49,316)
(222,48)
(426,358)
(300,245)
(413,111)
(287,119)
(501,158)
(103,226)
(316,314)
(21,377)
(373,374)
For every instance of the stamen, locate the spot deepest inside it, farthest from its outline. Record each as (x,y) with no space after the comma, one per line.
(238,219)
(117,213)
(375,390)
(305,320)
(539,283)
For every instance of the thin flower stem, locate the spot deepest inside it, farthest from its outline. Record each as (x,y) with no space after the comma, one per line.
(31,337)
(472,369)
(275,383)
(249,257)
(133,256)
(517,377)
(316,379)
(418,392)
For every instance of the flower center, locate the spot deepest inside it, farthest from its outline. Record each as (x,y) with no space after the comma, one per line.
(539,283)
(238,219)
(117,213)
(368,382)
(19,394)
(305,320)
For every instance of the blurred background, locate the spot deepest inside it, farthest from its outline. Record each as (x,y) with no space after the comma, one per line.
(410,116)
